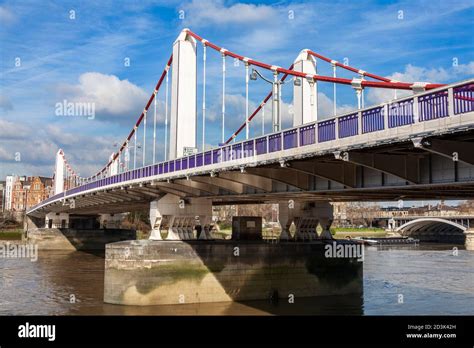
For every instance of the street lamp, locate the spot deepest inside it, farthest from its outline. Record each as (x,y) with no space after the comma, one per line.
(276,87)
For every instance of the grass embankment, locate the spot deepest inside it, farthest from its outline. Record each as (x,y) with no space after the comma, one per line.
(343,232)
(338,232)
(11,234)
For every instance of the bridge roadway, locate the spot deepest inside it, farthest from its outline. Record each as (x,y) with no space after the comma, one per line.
(427,151)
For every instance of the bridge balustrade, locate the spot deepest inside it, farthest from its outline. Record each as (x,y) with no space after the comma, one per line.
(373,120)
(400,114)
(248,148)
(327,130)
(261,145)
(307,135)
(290,139)
(433,105)
(463,98)
(348,125)
(274,142)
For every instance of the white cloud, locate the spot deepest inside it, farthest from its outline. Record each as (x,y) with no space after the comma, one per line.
(6,16)
(326,107)
(418,74)
(216,12)
(112,97)
(12,130)
(5,103)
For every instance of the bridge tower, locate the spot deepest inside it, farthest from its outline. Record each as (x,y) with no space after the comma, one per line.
(183,95)
(114,166)
(59,172)
(305,100)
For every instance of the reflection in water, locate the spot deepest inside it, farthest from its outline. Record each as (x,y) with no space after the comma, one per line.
(430,279)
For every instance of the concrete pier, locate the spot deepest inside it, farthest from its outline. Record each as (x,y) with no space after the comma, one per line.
(150,272)
(469,241)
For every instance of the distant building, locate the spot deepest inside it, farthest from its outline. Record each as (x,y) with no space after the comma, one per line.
(2,196)
(29,191)
(10,179)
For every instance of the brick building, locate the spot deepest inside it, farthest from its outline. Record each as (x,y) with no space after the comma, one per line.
(29,191)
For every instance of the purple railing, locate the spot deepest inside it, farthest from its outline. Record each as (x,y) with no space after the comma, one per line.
(307,135)
(348,125)
(237,151)
(326,130)
(463,98)
(372,120)
(430,106)
(216,156)
(199,161)
(208,158)
(433,106)
(274,142)
(248,148)
(400,114)
(261,145)
(290,139)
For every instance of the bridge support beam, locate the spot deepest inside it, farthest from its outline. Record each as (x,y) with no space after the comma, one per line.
(306,216)
(462,151)
(177,216)
(469,241)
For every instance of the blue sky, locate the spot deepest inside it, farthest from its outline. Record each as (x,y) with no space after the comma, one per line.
(46,56)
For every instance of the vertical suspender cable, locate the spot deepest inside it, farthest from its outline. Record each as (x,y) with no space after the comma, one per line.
(246,100)
(135,148)
(203,95)
(263,119)
(223,96)
(144,138)
(334,88)
(154,127)
(362,92)
(166,116)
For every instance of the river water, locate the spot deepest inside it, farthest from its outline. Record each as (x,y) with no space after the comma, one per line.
(402,280)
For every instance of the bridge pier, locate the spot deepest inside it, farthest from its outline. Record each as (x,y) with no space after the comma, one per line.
(178,217)
(306,217)
(469,241)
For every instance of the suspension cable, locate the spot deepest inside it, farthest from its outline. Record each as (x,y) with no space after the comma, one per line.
(246,100)
(154,128)
(166,117)
(203,95)
(334,67)
(144,139)
(223,93)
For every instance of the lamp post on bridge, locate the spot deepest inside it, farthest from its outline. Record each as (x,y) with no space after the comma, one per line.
(276,95)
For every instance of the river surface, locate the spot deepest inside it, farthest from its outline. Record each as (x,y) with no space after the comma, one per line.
(404,280)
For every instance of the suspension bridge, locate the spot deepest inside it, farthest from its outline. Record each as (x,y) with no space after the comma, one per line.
(414,147)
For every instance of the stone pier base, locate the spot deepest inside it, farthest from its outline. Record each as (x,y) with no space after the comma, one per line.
(469,241)
(176,272)
(74,239)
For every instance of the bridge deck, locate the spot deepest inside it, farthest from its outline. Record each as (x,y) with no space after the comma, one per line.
(389,151)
